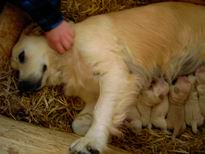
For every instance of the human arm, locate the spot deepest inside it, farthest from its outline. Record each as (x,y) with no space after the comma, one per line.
(46,13)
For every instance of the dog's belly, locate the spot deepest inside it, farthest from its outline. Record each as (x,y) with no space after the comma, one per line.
(165,39)
(179,64)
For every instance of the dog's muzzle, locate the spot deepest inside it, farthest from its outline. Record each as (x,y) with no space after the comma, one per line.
(29,86)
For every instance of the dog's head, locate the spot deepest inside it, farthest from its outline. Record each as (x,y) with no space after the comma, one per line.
(29,58)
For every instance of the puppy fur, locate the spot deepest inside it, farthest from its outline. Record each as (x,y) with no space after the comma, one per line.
(200,77)
(193,116)
(177,99)
(146,100)
(134,120)
(159,111)
(114,56)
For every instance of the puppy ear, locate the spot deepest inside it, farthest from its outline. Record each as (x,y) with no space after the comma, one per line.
(32,29)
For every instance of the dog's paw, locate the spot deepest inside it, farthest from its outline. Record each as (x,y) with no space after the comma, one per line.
(82,123)
(136,126)
(84,146)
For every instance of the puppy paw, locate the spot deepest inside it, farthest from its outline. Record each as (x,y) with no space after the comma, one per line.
(136,126)
(165,131)
(84,146)
(194,128)
(149,126)
(82,123)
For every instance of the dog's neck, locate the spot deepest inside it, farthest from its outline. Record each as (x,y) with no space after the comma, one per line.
(69,65)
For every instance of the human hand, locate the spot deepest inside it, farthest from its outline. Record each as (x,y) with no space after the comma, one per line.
(61,38)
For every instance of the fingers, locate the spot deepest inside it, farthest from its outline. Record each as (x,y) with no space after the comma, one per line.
(67,42)
(62,44)
(61,38)
(59,47)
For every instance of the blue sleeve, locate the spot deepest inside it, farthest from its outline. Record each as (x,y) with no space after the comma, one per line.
(45,12)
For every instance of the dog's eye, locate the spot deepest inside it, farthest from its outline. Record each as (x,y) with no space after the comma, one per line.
(22,57)
(44,68)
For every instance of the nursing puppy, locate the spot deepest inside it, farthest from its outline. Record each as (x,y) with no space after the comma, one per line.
(193,116)
(179,93)
(145,101)
(134,120)
(113,57)
(200,77)
(159,111)
(150,98)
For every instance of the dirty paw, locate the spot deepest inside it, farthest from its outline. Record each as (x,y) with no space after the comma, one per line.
(83,146)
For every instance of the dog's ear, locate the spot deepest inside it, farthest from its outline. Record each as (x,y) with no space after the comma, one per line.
(32,29)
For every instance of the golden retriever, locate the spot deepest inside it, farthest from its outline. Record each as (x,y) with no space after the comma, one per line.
(114,56)
(200,77)
(179,93)
(193,116)
(159,111)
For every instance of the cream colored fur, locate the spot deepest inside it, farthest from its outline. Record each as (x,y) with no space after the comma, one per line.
(147,99)
(179,93)
(159,111)
(114,56)
(200,77)
(134,120)
(193,116)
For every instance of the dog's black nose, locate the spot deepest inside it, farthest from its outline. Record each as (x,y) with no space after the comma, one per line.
(28,86)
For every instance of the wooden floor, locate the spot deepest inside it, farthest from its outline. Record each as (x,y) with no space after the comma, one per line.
(23,138)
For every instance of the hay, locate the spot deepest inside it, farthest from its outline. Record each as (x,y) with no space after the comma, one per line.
(49,108)
(78,10)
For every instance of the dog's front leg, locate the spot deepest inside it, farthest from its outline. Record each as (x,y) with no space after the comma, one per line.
(114,88)
(83,120)
(89,94)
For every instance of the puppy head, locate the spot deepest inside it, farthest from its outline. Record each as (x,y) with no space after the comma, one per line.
(200,74)
(161,88)
(30,59)
(148,98)
(180,90)
(183,85)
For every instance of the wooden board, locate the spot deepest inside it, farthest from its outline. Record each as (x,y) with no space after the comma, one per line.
(24,138)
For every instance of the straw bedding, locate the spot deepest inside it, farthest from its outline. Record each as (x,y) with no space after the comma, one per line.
(49,108)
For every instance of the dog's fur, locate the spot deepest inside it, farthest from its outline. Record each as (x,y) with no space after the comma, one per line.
(159,111)
(179,93)
(113,57)
(134,120)
(193,116)
(200,77)
(148,99)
